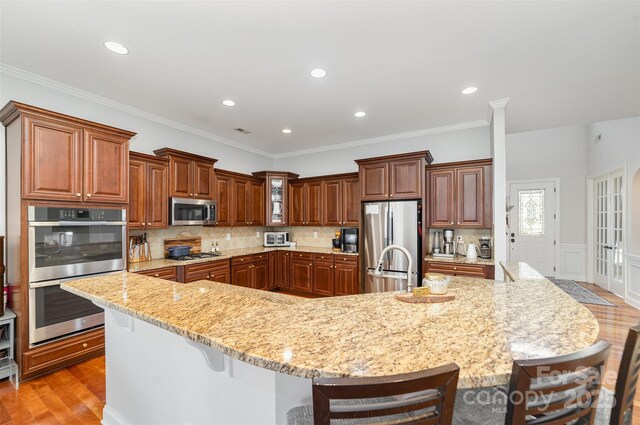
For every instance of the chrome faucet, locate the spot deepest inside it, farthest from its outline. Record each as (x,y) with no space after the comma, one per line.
(378,270)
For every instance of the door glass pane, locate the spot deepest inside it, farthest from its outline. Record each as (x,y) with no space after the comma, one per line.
(531,212)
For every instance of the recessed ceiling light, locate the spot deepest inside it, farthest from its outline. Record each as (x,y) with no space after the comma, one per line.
(116,47)
(286,131)
(359,114)
(318,73)
(228,102)
(469,90)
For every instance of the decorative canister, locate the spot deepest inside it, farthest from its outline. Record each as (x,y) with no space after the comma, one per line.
(436,282)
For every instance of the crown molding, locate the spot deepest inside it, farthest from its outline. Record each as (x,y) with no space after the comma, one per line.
(92,97)
(387,138)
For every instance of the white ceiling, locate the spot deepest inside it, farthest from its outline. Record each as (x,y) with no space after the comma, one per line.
(404,63)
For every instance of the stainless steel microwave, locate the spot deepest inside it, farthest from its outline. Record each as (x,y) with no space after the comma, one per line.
(276,239)
(192,212)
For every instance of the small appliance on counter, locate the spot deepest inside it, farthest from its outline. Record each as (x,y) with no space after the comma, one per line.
(349,239)
(448,244)
(277,239)
(485,247)
(336,243)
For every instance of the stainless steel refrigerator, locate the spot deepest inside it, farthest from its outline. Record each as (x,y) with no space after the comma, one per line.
(391,223)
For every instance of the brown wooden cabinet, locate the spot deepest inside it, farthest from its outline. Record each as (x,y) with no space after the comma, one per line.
(341,201)
(351,201)
(190,176)
(460,195)
(64,160)
(273,265)
(250,271)
(165,273)
(323,276)
(281,274)
(223,197)
(393,177)
(346,275)
(441,198)
(275,192)
(240,199)
(148,192)
(305,203)
(482,271)
(301,271)
(215,271)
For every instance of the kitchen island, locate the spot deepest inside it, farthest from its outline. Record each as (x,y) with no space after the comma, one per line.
(207,352)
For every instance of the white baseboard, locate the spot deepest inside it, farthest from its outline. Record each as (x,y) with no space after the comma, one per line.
(573,262)
(110,417)
(632,279)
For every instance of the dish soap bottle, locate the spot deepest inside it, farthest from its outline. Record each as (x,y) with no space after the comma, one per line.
(217,251)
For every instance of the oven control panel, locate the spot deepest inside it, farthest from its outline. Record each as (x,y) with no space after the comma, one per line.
(76,214)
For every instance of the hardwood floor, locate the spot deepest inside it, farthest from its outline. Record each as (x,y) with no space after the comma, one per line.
(76,394)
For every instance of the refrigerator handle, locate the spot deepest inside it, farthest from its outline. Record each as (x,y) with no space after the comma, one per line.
(391,226)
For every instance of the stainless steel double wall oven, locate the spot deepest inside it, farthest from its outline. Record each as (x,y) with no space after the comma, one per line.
(64,244)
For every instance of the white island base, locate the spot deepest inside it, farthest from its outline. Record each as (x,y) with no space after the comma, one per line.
(157,377)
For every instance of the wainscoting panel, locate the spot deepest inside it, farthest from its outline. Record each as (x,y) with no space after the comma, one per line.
(632,278)
(573,262)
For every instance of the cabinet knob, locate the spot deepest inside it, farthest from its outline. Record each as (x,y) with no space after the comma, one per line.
(458,223)
(391,195)
(88,195)
(85,345)
(78,194)
(310,264)
(455,268)
(157,274)
(452,223)
(196,195)
(191,194)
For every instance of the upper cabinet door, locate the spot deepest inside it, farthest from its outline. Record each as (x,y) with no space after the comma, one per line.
(332,202)
(52,160)
(350,202)
(441,198)
(256,203)
(203,180)
(181,177)
(470,197)
(106,165)
(374,181)
(241,211)
(406,179)
(223,190)
(137,194)
(157,196)
(296,204)
(314,204)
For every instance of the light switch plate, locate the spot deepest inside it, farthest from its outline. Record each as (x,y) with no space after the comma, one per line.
(228,236)
(315,234)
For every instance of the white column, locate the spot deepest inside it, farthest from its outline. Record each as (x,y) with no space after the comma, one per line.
(498,152)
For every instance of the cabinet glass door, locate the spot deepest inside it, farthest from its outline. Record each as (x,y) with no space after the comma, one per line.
(276,192)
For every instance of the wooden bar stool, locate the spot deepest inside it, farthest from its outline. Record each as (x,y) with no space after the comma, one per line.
(541,391)
(424,397)
(559,390)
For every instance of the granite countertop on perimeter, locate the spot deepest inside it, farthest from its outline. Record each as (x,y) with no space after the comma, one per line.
(165,262)
(487,326)
(460,259)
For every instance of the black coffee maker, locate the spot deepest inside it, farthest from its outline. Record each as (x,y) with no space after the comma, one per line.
(349,239)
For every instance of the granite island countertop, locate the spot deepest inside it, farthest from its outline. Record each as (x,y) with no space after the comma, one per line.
(165,262)
(487,326)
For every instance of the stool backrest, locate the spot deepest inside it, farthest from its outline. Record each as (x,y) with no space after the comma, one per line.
(557,390)
(424,397)
(627,378)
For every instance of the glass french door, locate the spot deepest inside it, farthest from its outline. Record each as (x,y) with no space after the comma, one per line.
(609,230)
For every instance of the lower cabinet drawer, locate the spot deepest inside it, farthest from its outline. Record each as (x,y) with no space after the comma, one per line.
(211,270)
(166,273)
(65,352)
(455,269)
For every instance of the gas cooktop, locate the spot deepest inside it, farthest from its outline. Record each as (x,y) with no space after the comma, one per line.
(196,256)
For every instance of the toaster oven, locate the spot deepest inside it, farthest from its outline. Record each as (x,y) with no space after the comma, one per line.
(276,238)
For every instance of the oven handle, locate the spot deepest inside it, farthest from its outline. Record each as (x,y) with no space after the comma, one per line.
(76,223)
(57,282)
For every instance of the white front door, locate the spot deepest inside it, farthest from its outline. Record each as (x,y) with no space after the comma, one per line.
(609,228)
(532,226)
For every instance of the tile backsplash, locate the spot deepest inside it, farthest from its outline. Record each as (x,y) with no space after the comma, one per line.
(240,237)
